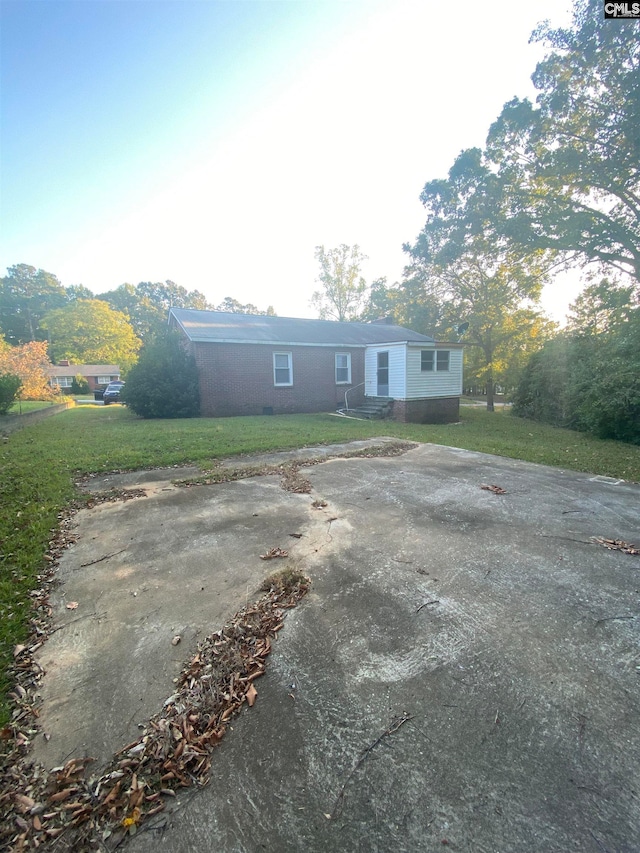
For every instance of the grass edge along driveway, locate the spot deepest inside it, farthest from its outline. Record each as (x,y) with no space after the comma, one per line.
(40,465)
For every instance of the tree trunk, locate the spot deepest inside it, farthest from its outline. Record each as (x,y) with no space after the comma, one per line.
(490,407)
(488,353)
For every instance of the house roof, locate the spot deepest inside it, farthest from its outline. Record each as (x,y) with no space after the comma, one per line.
(225,327)
(84,370)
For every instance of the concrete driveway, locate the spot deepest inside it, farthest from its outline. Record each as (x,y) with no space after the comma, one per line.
(464,673)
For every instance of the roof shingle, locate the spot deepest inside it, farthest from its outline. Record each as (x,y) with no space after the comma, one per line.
(219,326)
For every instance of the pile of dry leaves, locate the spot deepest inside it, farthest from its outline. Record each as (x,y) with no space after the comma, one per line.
(617,545)
(64,810)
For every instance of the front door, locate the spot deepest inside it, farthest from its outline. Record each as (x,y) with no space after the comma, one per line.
(383,374)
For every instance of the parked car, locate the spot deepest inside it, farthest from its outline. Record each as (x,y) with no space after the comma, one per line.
(111,393)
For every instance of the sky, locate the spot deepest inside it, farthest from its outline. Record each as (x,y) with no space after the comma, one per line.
(216,144)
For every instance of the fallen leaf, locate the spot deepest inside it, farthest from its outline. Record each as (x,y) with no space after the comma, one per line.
(497,490)
(24,803)
(252,695)
(59,796)
(617,545)
(72,605)
(272,553)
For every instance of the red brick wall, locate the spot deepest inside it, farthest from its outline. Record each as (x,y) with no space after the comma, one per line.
(436,410)
(237,379)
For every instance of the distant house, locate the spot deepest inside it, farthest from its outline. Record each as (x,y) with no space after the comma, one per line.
(255,364)
(97,375)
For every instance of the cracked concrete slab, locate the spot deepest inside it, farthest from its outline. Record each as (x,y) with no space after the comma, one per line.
(493,624)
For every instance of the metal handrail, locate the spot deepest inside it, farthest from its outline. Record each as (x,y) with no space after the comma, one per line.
(348,391)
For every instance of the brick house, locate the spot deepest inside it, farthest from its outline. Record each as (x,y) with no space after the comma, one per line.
(62,374)
(255,364)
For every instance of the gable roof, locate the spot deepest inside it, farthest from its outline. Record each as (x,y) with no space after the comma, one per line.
(225,327)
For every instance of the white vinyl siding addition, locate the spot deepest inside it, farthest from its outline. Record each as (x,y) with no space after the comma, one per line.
(396,366)
(433,372)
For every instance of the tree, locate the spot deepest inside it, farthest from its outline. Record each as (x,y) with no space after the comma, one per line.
(344,292)
(29,362)
(164,382)
(568,167)
(88,331)
(26,295)
(168,294)
(78,291)
(234,307)
(589,377)
(147,303)
(468,274)
(144,316)
(602,307)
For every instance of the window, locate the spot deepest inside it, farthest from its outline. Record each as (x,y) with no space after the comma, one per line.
(282,368)
(442,360)
(63,381)
(434,359)
(343,368)
(103,380)
(426,359)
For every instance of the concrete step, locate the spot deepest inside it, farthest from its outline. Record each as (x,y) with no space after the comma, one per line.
(371,411)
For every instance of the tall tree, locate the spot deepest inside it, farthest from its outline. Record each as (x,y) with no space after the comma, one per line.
(147,304)
(26,294)
(88,331)
(568,167)
(234,307)
(168,294)
(344,290)
(144,316)
(472,274)
(78,291)
(588,378)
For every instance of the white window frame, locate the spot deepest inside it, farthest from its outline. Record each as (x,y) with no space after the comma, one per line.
(441,366)
(63,381)
(347,367)
(433,360)
(103,380)
(289,368)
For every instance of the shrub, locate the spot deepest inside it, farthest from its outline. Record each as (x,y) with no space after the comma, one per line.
(79,385)
(164,382)
(10,386)
(588,382)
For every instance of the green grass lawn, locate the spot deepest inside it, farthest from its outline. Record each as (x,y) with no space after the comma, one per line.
(38,466)
(21,407)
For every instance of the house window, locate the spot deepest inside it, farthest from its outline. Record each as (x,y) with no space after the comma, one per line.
(282,368)
(434,360)
(343,368)
(426,359)
(63,381)
(442,362)
(103,380)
